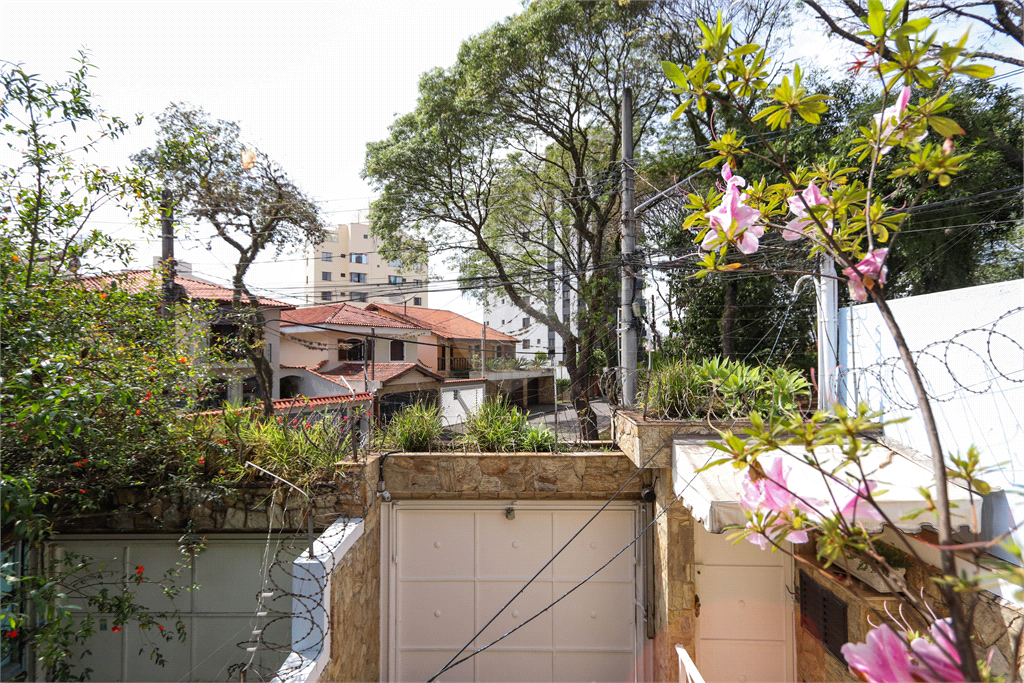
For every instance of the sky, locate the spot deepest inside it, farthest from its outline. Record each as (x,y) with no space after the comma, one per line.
(310,83)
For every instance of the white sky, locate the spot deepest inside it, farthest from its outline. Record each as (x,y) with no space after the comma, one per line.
(310,82)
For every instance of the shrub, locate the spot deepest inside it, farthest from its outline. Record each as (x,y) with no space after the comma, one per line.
(498,426)
(720,389)
(415,428)
(562,385)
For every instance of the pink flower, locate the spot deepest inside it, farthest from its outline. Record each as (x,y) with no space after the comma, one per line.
(891,118)
(882,659)
(733,222)
(854,504)
(770,494)
(798,227)
(941,655)
(866,273)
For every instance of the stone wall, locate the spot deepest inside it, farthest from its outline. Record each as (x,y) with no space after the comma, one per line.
(473,476)
(355,603)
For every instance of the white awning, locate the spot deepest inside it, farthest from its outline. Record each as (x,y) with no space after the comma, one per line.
(713,495)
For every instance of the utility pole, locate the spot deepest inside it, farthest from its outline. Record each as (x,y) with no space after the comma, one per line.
(828,330)
(483,347)
(167,253)
(627,330)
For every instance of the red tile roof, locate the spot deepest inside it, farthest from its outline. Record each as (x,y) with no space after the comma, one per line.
(381,372)
(442,323)
(314,369)
(306,402)
(340,314)
(480,380)
(136,281)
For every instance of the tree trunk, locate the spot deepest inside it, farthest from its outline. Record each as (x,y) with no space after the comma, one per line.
(729,320)
(579,385)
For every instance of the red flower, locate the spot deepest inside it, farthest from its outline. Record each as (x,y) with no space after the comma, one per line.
(116,629)
(160,627)
(103,295)
(81,490)
(201,461)
(138,412)
(139,570)
(13,633)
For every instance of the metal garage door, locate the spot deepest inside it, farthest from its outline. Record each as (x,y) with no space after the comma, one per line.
(218,616)
(454,565)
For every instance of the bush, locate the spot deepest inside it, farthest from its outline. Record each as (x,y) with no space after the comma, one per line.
(720,389)
(498,426)
(562,385)
(416,428)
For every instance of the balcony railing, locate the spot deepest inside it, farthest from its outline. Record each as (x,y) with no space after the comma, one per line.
(687,669)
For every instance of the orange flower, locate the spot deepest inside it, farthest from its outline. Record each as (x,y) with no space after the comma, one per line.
(103,295)
(138,412)
(139,570)
(116,629)
(202,461)
(81,490)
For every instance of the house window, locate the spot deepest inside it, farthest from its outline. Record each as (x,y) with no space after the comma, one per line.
(359,296)
(325,276)
(417,301)
(326,296)
(228,339)
(332,237)
(526,322)
(357,258)
(350,349)
(395,264)
(526,343)
(326,256)
(366,237)
(395,280)
(397,350)
(357,277)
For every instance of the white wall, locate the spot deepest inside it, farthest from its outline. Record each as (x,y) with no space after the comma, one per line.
(976,380)
(459,400)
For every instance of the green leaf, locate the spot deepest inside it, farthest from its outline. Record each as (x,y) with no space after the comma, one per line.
(947,128)
(675,74)
(876,18)
(975,70)
(681,109)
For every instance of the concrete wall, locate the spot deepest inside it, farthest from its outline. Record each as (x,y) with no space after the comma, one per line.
(459,400)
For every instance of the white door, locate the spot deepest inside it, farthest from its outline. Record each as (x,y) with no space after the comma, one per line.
(745,631)
(455,565)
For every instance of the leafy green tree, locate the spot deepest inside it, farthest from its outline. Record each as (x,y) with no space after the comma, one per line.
(249,200)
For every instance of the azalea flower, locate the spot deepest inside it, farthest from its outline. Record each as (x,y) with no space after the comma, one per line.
(883,658)
(940,655)
(733,222)
(890,118)
(770,494)
(866,273)
(798,227)
(854,504)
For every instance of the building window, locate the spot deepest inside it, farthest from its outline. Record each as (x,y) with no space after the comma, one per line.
(350,349)
(366,237)
(417,301)
(326,296)
(332,237)
(395,280)
(325,276)
(357,258)
(395,264)
(357,277)
(526,322)
(359,296)
(526,343)
(326,256)
(397,350)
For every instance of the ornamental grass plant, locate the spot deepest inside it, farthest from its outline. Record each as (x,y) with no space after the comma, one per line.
(497,426)
(415,429)
(720,389)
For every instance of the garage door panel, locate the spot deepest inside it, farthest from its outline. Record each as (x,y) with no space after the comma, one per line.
(435,613)
(761,662)
(157,559)
(522,665)
(106,560)
(597,544)
(744,603)
(420,665)
(743,553)
(106,647)
(238,565)
(492,595)
(143,666)
(595,615)
(436,543)
(515,547)
(614,667)
(218,642)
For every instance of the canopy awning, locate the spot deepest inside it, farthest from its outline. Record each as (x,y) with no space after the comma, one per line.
(713,495)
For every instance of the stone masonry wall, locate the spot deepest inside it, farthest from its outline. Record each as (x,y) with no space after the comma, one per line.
(473,476)
(355,603)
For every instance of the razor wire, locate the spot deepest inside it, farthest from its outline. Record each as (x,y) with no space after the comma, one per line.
(976,360)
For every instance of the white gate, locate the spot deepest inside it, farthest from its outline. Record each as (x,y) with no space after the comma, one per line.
(454,565)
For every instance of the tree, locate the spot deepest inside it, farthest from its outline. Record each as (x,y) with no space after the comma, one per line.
(248,200)
(999,18)
(835,215)
(93,377)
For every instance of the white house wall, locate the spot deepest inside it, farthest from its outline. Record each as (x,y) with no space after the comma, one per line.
(458,401)
(977,382)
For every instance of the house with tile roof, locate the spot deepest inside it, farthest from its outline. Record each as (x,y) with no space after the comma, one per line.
(236,380)
(452,347)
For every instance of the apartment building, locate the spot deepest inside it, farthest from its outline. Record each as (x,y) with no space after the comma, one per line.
(347,268)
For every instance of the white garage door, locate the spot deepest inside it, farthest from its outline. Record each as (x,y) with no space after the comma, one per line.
(455,565)
(217,617)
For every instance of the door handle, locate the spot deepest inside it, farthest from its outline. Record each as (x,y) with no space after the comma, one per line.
(696,606)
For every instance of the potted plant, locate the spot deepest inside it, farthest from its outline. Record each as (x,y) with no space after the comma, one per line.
(897,562)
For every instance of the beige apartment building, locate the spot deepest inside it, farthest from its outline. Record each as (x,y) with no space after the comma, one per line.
(347,268)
